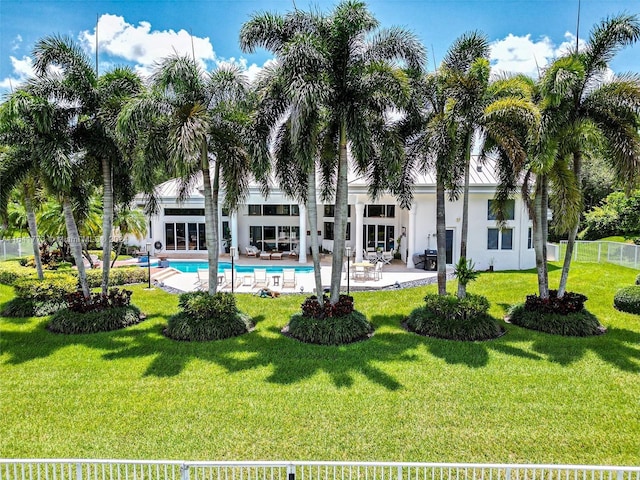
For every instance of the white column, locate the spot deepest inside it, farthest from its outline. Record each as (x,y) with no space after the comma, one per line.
(302,245)
(359,228)
(411,236)
(234,233)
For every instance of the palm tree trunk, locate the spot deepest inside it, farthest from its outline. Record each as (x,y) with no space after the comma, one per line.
(539,238)
(118,251)
(107,223)
(462,289)
(33,231)
(441,235)
(340,226)
(210,217)
(76,246)
(312,221)
(573,232)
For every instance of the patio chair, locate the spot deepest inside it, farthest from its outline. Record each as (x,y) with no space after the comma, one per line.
(251,251)
(376,272)
(203,279)
(260,279)
(359,273)
(288,278)
(387,257)
(372,257)
(228,280)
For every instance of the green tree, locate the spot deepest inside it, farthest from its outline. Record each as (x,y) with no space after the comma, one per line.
(360,84)
(192,125)
(128,222)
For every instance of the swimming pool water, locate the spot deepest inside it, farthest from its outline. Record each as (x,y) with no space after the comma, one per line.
(189,266)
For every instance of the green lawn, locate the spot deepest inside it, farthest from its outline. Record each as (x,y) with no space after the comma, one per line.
(526,397)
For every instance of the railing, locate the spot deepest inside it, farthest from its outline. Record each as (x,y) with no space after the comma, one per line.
(15,247)
(182,470)
(623,254)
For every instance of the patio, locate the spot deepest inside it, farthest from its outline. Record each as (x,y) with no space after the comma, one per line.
(393,274)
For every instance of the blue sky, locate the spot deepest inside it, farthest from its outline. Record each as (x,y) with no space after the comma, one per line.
(524,33)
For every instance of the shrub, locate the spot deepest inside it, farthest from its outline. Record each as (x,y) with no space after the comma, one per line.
(37,298)
(207,317)
(570,303)
(627,299)
(70,322)
(97,302)
(638,279)
(11,270)
(576,324)
(453,318)
(26,307)
(312,309)
(333,330)
(117,276)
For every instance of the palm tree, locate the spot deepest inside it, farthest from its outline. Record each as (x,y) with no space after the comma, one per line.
(98,101)
(588,110)
(193,124)
(360,85)
(128,221)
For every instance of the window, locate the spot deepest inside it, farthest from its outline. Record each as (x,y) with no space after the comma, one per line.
(182,212)
(530,238)
(255,210)
(185,236)
(509,210)
(330,210)
(276,210)
(380,211)
(329,233)
(500,239)
(264,237)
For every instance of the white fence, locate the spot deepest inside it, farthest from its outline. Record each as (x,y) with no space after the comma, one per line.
(181,470)
(15,247)
(624,254)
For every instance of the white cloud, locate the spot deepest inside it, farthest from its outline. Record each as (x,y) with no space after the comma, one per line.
(15,44)
(521,54)
(143,46)
(22,69)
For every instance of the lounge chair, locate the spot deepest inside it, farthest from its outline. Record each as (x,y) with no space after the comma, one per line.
(203,279)
(251,251)
(265,256)
(230,279)
(288,278)
(260,279)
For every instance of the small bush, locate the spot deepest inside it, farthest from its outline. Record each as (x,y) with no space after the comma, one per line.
(312,309)
(638,279)
(117,276)
(627,299)
(334,330)
(569,303)
(52,287)
(12,270)
(451,318)
(26,307)
(71,322)
(575,324)
(97,302)
(207,317)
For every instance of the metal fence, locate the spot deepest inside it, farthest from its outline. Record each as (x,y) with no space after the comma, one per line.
(182,470)
(15,247)
(623,254)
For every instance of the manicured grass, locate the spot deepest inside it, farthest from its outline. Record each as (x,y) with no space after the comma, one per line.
(525,397)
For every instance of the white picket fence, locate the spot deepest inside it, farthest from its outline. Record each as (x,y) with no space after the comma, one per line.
(69,469)
(624,254)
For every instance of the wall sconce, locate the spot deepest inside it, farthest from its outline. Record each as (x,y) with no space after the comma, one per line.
(404,231)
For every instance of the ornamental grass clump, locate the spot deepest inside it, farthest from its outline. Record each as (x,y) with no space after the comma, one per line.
(96,313)
(206,317)
(453,318)
(627,299)
(329,324)
(564,315)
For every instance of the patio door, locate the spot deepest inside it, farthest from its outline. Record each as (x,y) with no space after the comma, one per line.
(379,237)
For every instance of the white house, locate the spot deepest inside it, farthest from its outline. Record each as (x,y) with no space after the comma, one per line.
(279,223)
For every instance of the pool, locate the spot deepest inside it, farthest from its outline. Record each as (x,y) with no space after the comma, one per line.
(192,266)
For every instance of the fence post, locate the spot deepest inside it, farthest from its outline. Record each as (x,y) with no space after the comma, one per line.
(291,472)
(599,249)
(508,473)
(78,471)
(184,472)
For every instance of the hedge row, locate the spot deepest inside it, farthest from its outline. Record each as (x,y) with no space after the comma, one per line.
(11,271)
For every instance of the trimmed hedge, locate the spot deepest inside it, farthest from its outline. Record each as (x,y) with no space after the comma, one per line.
(207,317)
(349,328)
(12,270)
(37,298)
(576,324)
(117,276)
(70,322)
(627,299)
(452,318)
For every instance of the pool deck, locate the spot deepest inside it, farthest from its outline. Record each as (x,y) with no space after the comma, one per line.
(394,274)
